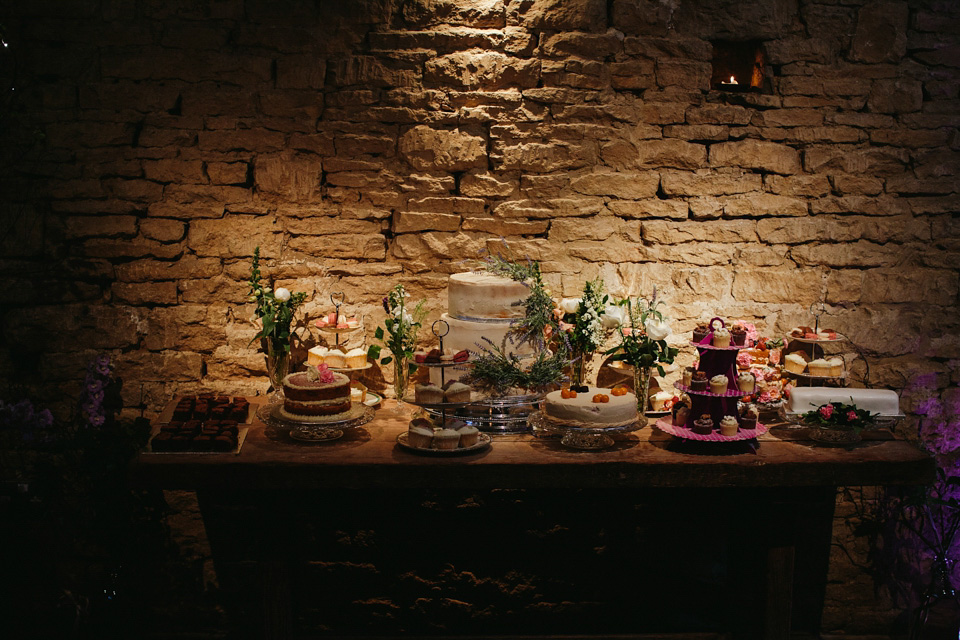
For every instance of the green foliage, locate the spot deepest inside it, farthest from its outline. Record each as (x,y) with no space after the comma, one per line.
(400,328)
(637,348)
(839,415)
(275,315)
(497,372)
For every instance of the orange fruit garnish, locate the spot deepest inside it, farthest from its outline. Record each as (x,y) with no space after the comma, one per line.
(618,391)
(567,394)
(601,398)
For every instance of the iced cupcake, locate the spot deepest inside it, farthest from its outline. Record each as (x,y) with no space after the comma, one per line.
(728,426)
(721,337)
(746,382)
(718,384)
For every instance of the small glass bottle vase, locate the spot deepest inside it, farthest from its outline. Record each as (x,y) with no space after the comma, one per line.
(401,376)
(641,386)
(579,368)
(278,366)
(938,617)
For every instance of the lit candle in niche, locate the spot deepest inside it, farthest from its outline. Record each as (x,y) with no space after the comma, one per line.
(733,80)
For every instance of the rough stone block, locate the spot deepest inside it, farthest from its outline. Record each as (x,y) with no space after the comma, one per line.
(573,229)
(763,205)
(407,221)
(756,154)
(367,247)
(651,208)
(844,286)
(482,70)
(429,149)
(895,96)
(799,185)
(550,208)
(479,183)
(505,228)
(162,230)
(897,286)
(878,162)
(329,225)
(627,185)
(794,286)
(294,177)
(545,157)
(144,293)
(721,231)
(236,236)
(583,45)
(708,182)
(100,226)
(227,173)
(881,34)
(240,140)
(559,15)
(688,75)
(853,254)
(174,170)
(671,153)
(845,184)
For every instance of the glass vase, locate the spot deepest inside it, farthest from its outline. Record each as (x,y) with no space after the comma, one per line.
(401,376)
(641,386)
(579,368)
(938,616)
(278,366)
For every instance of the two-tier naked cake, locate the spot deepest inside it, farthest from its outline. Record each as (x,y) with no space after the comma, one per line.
(315,397)
(483,306)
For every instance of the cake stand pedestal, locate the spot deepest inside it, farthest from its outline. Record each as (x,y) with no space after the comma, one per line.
(582,438)
(325,431)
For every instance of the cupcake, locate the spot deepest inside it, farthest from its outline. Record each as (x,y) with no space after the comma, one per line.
(700,332)
(836,366)
(721,338)
(703,425)
(457,392)
(728,426)
(699,381)
(680,414)
(794,363)
(446,439)
(428,394)
(420,435)
(738,335)
(748,416)
(819,368)
(718,384)
(469,436)
(746,382)
(687,376)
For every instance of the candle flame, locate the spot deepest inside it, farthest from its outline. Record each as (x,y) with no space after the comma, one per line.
(733,80)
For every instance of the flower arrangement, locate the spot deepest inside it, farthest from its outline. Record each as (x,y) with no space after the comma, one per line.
(644,343)
(581,317)
(839,415)
(275,309)
(497,372)
(402,327)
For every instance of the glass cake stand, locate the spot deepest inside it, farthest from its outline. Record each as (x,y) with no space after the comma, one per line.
(322,430)
(583,438)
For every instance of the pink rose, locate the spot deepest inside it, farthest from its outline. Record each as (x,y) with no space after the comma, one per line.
(851,416)
(744,359)
(325,374)
(826,411)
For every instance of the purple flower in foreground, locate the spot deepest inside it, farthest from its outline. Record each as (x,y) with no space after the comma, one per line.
(96,420)
(102,365)
(45,419)
(94,386)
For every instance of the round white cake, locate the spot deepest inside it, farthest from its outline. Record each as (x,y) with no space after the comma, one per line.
(582,411)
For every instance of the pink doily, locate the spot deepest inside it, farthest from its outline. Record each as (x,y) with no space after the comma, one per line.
(665,425)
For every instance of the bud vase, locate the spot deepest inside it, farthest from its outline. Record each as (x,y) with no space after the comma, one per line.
(401,376)
(578,368)
(278,366)
(641,387)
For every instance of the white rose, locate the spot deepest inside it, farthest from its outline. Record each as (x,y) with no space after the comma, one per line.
(569,305)
(657,329)
(281,294)
(612,317)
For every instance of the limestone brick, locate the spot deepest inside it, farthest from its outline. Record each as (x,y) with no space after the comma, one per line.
(707,182)
(227,173)
(408,221)
(895,96)
(721,231)
(881,34)
(586,45)
(505,228)
(815,186)
(573,229)
(174,170)
(329,225)
(671,153)
(139,248)
(845,184)
(763,204)
(650,208)
(756,154)
(100,226)
(627,185)
(574,15)
(844,286)
(550,208)
(145,293)
(478,183)
(367,247)
(235,236)
(154,270)
(796,286)
(294,177)
(482,70)
(931,286)
(853,254)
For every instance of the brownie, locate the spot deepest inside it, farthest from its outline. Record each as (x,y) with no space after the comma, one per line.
(161,442)
(224,443)
(240,411)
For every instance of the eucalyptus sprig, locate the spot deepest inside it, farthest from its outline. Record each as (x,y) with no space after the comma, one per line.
(275,308)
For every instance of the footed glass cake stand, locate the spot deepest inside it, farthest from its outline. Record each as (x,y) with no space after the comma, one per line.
(583,438)
(320,429)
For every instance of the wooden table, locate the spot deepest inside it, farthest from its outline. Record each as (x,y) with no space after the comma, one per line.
(790,481)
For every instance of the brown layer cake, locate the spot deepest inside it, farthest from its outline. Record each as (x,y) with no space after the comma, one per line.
(307,398)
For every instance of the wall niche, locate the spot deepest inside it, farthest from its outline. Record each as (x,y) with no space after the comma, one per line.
(738,65)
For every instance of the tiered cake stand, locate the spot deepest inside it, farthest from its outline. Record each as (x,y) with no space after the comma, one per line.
(583,438)
(438,411)
(815,349)
(713,361)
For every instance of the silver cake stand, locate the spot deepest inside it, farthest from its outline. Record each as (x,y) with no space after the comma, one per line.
(323,431)
(583,438)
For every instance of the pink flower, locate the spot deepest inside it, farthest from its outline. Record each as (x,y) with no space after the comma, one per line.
(826,411)
(851,416)
(564,326)
(325,374)
(744,359)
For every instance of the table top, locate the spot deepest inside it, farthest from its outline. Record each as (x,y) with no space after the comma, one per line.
(369,457)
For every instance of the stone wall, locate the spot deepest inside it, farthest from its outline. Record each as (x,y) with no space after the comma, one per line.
(149,146)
